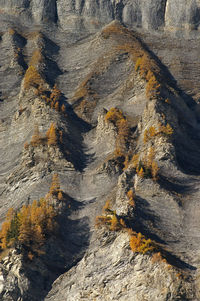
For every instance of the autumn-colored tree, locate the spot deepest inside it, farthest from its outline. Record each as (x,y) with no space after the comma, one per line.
(152,131)
(146,136)
(114,115)
(11,31)
(55,185)
(61,136)
(5,228)
(126,162)
(13,232)
(114,223)
(141,172)
(166,130)
(30,226)
(131,196)
(157,257)
(135,160)
(150,158)
(138,64)
(52,135)
(140,244)
(26,145)
(60,196)
(106,207)
(26,231)
(57,106)
(55,97)
(63,108)
(32,78)
(123,134)
(153,87)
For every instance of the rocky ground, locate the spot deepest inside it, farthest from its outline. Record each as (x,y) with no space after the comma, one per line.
(93,66)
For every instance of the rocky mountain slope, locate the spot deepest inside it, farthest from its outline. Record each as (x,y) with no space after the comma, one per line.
(112,109)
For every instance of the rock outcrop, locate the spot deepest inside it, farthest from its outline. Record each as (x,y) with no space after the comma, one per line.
(151,15)
(93,104)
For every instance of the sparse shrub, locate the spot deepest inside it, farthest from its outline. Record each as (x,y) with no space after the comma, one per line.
(37,58)
(109,219)
(167,100)
(160,129)
(11,31)
(157,257)
(150,157)
(146,136)
(26,145)
(33,35)
(140,244)
(116,116)
(36,138)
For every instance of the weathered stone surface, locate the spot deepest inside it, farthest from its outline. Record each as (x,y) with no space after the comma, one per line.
(151,15)
(120,275)
(99,265)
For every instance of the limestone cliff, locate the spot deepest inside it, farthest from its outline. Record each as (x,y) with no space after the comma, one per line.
(95,104)
(151,15)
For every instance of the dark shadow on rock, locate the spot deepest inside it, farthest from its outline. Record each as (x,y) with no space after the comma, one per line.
(177,185)
(187,147)
(79,127)
(145,220)
(52,71)
(177,262)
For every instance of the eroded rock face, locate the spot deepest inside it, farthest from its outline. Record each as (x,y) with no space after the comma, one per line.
(89,173)
(113,273)
(151,15)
